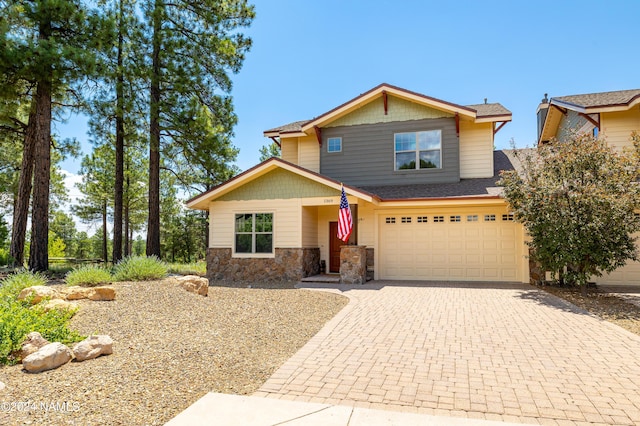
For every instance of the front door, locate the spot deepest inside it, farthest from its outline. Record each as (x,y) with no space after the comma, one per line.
(334,247)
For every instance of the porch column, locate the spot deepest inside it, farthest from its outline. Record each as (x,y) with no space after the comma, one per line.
(353,264)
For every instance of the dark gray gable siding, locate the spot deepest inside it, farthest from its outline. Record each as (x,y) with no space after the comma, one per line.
(367,156)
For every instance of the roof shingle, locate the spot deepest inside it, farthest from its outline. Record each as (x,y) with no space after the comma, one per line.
(591,100)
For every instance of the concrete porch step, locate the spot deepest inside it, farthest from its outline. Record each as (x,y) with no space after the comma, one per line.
(322,278)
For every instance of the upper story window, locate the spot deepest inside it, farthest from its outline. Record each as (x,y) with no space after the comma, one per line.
(254,233)
(418,150)
(334,145)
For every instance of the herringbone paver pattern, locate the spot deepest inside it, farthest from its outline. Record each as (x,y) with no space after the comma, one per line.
(491,351)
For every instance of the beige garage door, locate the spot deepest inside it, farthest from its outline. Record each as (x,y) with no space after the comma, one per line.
(474,246)
(627,275)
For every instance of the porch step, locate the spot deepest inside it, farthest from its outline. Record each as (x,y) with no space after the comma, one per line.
(322,278)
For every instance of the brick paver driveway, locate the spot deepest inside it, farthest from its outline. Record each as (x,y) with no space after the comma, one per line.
(492,351)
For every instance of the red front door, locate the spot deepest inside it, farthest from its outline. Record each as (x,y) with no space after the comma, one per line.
(334,247)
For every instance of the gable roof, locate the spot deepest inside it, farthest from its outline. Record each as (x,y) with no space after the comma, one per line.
(201,202)
(597,102)
(585,104)
(479,113)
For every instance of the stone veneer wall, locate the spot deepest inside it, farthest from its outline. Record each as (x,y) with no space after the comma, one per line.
(353,264)
(289,264)
(371,265)
(537,275)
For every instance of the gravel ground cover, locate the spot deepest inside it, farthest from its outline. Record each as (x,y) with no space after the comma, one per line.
(171,347)
(608,306)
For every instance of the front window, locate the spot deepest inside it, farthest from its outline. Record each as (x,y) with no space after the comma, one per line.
(254,233)
(418,150)
(334,145)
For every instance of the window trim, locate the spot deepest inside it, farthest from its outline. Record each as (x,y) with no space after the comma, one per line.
(254,254)
(417,151)
(339,138)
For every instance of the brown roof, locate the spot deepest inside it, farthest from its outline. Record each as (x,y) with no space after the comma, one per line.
(590,100)
(489,110)
(296,126)
(483,187)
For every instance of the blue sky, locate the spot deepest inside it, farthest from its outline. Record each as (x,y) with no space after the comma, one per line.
(310,56)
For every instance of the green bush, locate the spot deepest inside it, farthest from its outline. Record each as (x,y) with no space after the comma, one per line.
(88,276)
(140,268)
(17,319)
(5,257)
(11,286)
(193,268)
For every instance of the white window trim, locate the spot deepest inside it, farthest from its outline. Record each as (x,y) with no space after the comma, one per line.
(417,151)
(335,137)
(273,233)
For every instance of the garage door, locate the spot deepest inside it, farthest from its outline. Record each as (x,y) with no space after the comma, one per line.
(475,246)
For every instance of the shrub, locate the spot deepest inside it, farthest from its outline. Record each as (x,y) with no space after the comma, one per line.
(17,319)
(11,286)
(89,276)
(5,257)
(140,268)
(193,268)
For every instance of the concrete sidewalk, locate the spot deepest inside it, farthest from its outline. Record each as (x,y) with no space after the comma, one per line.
(235,410)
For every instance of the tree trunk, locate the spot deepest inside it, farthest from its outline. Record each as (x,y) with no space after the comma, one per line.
(21,205)
(119,178)
(105,235)
(153,223)
(39,253)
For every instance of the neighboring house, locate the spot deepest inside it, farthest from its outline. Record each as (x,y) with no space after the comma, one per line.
(420,174)
(612,115)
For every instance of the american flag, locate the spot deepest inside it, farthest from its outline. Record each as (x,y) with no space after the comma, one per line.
(345,221)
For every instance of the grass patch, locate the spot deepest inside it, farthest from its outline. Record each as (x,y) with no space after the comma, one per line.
(17,319)
(88,276)
(140,268)
(193,268)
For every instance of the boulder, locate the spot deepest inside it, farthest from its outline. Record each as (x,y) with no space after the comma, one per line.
(92,347)
(39,293)
(101,293)
(59,304)
(194,284)
(48,357)
(74,293)
(31,344)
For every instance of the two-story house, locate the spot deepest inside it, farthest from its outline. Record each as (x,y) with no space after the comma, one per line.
(420,174)
(612,115)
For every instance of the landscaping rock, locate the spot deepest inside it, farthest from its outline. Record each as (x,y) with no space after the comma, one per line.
(2,386)
(101,293)
(75,293)
(31,344)
(194,284)
(39,292)
(48,357)
(92,347)
(59,304)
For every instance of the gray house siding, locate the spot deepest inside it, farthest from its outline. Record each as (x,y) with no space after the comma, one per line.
(367,156)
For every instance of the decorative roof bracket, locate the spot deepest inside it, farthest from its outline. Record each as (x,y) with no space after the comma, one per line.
(497,129)
(318,134)
(457,124)
(276,141)
(384,101)
(590,119)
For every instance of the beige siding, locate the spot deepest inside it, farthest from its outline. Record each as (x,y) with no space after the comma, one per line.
(309,226)
(366,225)
(397,110)
(309,153)
(617,127)
(286,217)
(476,150)
(289,149)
